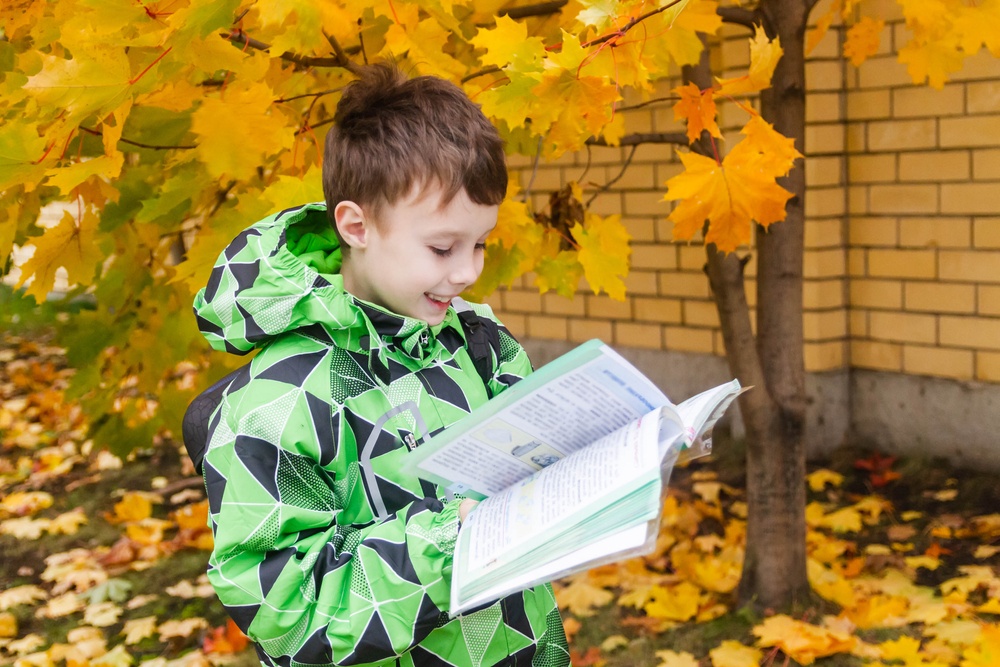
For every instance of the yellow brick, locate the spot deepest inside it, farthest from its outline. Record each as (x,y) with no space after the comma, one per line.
(692,285)
(895,135)
(691,257)
(583,330)
(981,130)
(857,262)
(884,294)
(872,231)
(700,313)
(825,202)
(867,104)
(902,327)
(667,311)
(856,137)
(640,229)
(639,120)
(824,107)
(983,96)
(982,65)
(879,168)
(645,203)
(989,299)
(824,233)
(857,323)
(641,282)
(548,328)
(823,263)
(986,232)
(547,180)
(825,356)
(938,361)
(935,166)
(988,366)
(896,199)
(969,198)
(922,101)
(603,306)
(636,177)
(825,138)
(516,324)
(555,304)
(981,266)
(824,171)
(824,325)
(649,153)
(607,203)
(686,339)
(940,297)
(901,263)
(822,294)
(605,155)
(857,200)
(986,164)
(653,256)
(632,334)
(876,355)
(936,232)
(522,301)
(883,72)
(981,333)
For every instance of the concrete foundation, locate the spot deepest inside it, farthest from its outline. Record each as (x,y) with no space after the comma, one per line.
(891,412)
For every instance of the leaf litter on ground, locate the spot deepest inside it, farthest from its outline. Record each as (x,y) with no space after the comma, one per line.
(104,559)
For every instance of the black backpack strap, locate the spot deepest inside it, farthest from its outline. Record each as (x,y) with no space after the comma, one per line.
(194,426)
(482,339)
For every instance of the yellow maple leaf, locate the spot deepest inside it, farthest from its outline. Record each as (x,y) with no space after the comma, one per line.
(604,252)
(116,657)
(560,272)
(21,151)
(425,44)
(569,109)
(668,658)
(20,595)
(818,479)
(137,629)
(238,131)
(986,652)
(184,628)
(764,57)
(932,60)
(94,81)
(862,39)
(68,523)
(582,598)
(24,528)
(830,585)
(133,506)
(698,108)
(507,43)
(613,643)
(8,625)
(731,653)
(23,503)
(63,605)
(674,603)
(802,642)
(816,34)
(17,14)
(71,245)
(102,614)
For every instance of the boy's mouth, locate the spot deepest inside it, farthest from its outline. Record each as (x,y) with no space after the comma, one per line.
(441,300)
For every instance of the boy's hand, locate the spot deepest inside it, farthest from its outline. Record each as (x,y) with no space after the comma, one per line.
(467,506)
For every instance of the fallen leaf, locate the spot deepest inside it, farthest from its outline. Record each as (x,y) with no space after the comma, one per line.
(137,629)
(226,640)
(582,598)
(19,595)
(64,605)
(734,654)
(613,643)
(669,658)
(8,625)
(102,615)
(184,628)
(25,503)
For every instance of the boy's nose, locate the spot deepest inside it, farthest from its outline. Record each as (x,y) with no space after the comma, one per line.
(465,271)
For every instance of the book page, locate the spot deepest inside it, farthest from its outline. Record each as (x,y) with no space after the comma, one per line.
(540,424)
(549,499)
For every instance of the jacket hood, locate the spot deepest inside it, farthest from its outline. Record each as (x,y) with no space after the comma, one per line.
(283,274)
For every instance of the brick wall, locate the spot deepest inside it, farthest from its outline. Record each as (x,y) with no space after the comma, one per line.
(902,260)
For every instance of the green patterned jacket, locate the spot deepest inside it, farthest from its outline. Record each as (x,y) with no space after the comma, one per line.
(328,548)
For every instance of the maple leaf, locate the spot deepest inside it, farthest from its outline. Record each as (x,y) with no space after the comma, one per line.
(734,193)
(137,629)
(764,57)
(862,39)
(132,507)
(116,657)
(102,614)
(238,132)
(585,105)
(931,61)
(70,245)
(63,605)
(802,642)
(674,603)
(986,651)
(23,503)
(8,625)
(21,595)
(24,528)
(21,151)
(184,628)
(507,43)
(225,640)
(697,107)
(582,598)
(818,479)
(731,653)
(68,523)
(603,253)
(668,658)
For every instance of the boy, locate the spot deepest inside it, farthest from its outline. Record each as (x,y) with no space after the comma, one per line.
(328,548)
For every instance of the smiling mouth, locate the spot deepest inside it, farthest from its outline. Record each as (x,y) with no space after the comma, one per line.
(438,299)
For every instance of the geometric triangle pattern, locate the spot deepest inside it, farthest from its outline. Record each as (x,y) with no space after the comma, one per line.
(328,549)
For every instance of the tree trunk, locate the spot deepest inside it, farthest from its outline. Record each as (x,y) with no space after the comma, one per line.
(774,569)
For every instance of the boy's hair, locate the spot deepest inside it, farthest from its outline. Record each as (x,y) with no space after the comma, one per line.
(392,133)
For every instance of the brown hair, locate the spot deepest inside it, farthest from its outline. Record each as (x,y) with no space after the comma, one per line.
(392,133)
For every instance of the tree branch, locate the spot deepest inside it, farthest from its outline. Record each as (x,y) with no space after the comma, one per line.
(607,186)
(155,147)
(341,55)
(631,24)
(645,138)
(655,100)
(240,37)
(492,69)
(540,9)
(739,16)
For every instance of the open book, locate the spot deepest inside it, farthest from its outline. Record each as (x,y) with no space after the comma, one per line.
(572,463)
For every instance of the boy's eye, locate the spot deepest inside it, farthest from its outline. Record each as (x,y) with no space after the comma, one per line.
(441,252)
(480,246)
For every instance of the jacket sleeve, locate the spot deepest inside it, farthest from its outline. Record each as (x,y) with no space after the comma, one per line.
(511,363)
(296,581)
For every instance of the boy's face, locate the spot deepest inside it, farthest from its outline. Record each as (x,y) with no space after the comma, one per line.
(420,256)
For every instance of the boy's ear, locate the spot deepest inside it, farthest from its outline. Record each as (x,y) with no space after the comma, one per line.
(352,224)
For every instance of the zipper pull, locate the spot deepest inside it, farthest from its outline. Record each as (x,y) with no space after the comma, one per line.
(425,337)
(410,441)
